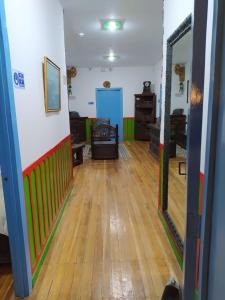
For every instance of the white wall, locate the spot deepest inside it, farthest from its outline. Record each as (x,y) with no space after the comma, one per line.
(158,82)
(36,29)
(207,81)
(175,12)
(129,78)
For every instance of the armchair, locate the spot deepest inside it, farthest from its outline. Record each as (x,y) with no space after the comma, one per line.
(104,142)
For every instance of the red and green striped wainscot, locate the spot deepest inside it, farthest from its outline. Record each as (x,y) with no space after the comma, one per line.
(128,128)
(47,186)
(89,124)
(161,159)
(200,208)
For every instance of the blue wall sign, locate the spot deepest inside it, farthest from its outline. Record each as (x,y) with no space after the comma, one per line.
(18,79)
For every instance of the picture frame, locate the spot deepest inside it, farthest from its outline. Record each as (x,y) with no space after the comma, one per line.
(52,86)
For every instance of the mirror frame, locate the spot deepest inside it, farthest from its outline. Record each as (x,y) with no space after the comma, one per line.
(183,29)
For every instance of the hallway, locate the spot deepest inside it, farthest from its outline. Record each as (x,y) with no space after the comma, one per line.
(110,243)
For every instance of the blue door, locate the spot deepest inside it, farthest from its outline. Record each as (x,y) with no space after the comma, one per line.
(109,104)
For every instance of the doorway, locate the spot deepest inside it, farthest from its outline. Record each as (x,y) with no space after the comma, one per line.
(212,260)
(109,105)
(6,280)
(217,249)
(11,171)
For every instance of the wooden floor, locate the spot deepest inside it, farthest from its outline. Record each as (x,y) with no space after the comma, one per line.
(110,243)
(177,190)
(6,282)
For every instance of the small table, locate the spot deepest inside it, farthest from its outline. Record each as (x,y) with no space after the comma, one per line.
(77,151)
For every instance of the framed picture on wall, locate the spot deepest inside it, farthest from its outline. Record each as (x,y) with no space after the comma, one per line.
(52,86)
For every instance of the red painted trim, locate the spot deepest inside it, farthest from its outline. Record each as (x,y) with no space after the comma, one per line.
(33,217)
(201,193)
(71,159)
(63,168)
(161,146)
(32,228)
(48,193)
(29,169)
(38,205)
(55,181)
(197,263)
(50,188)
(60,176)
(46,240)
(57,177)
(53,185)
(46,216)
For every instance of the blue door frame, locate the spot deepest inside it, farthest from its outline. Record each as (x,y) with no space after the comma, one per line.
(212,205)
(111,106)
(12,171)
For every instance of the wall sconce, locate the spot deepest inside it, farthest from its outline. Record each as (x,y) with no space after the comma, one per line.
(180,71)
(71,73)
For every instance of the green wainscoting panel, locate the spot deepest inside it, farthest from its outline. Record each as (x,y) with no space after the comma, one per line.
(47,183)
(89,124)
(128,129)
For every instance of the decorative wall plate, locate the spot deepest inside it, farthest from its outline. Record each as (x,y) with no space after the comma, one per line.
(107,84)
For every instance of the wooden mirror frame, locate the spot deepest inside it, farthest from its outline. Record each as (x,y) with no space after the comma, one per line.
(183,29)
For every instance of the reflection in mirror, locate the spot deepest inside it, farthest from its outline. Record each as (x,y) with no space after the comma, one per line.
(180,104)
(3,223)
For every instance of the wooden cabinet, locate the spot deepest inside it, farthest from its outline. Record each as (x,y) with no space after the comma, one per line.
(154,139)
(78,129)
(145,114)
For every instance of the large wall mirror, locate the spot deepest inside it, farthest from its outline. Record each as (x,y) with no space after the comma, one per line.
(177,106)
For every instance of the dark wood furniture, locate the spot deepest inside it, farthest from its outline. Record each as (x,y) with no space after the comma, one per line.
(100,133)
(104,142)
(145,114)
(4,250)
(178,129)
(154,130)
(77,152)
(78,127)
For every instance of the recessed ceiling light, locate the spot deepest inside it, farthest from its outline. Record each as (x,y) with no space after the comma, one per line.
(112,57)
(112,25)
(81,34)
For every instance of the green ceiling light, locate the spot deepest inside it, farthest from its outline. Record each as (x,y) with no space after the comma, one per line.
(112,25)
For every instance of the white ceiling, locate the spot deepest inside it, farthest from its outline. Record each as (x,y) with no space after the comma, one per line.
(139,44)
(182,50)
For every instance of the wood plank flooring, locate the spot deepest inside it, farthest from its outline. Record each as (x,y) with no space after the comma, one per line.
(6,282)
(110,243)
(177,191)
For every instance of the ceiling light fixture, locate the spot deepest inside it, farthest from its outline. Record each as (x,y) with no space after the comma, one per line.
(81,34)
(112,57)
(112,25)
